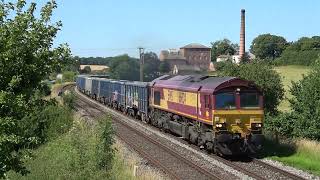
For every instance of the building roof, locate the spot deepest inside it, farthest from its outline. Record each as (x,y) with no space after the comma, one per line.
(202,83)
(195,46)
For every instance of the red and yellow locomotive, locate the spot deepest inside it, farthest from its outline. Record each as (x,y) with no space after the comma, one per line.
(222,114)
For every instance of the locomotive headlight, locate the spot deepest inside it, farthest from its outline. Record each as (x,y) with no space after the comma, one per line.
(221,125)
(259,125)
(256,125)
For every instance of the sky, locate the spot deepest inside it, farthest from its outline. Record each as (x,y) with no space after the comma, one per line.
(113,27)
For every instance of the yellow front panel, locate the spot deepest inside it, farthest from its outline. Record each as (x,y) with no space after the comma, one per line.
(238,121)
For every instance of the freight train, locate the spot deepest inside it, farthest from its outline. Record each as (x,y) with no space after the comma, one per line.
(223,115)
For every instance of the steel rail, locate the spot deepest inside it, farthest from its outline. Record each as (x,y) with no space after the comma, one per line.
(281,171)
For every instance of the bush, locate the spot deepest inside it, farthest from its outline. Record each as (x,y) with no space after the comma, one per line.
(224,65)
(279,125)
(264,76)
(304,119)
(48,123)
(302,52)
(305,58)
(69,99)
(68,76)
(164,67)
(74,155)
(306,105)
(104,150)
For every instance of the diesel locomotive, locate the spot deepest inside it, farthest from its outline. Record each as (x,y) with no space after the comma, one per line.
(220,114)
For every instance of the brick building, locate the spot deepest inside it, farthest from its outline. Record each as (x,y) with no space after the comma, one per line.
(190,57)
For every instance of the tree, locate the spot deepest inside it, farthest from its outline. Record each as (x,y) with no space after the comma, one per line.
(86,70)
(151,66)
(222,47)
(164,67)
(94,60)
(302,52)
(124,67)
(27,57)
(127,68)
(268,46)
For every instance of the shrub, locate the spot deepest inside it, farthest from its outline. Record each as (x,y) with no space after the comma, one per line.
(92,149)
(264,76)
(69,100)
(290,57)
(302,52)
(104,149)
(223,65)
(48,123)
(164,67)
(306,105)
(74,155)
(279,125)
(69,76)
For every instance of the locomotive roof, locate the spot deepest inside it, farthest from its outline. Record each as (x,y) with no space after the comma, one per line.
(207,84)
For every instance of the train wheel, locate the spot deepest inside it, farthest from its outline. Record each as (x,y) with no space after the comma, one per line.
(143,117)
(209,147)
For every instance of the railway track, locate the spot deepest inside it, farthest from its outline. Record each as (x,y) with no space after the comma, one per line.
(65,87)
(283,172)
(173,171)
(161,156)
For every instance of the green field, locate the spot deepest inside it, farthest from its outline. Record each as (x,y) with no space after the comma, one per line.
(289,74)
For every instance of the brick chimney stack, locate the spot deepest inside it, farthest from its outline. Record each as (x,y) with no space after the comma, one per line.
(242,35)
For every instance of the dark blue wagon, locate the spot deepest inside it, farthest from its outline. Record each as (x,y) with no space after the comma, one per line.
(95,88)
(117,89)
(137,98)
(105,92)
(81,82)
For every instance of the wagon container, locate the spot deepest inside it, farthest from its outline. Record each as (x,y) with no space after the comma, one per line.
(137,97)
(95,88)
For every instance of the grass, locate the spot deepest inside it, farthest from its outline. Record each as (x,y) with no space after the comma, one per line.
(290,73)
(300,153)
(72,156)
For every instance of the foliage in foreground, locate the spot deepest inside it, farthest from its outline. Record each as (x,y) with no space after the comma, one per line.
(48,123)
(27,57)
(264,76)
(85,152)
(304,119)
(69,100)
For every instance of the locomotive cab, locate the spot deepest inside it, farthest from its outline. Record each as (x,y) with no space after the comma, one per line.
(238,120)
